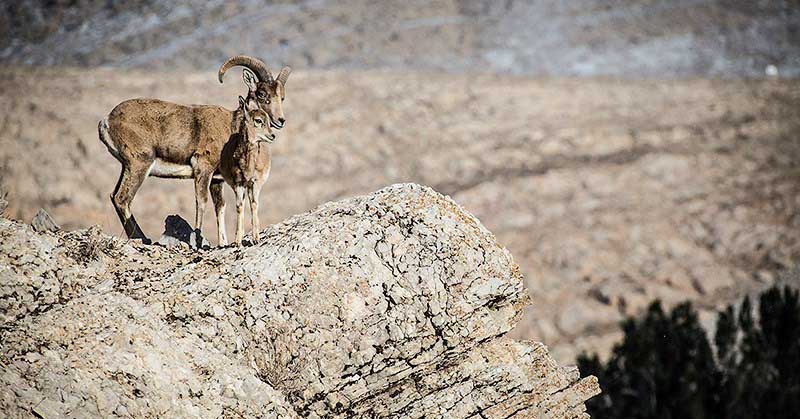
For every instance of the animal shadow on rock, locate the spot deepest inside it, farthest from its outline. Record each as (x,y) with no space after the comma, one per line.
(177,231)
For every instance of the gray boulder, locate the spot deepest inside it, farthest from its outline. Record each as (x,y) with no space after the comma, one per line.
(390,304)
(43,222)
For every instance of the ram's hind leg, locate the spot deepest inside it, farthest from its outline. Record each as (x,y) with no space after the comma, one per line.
(130,179)
(219,209)
(202,171)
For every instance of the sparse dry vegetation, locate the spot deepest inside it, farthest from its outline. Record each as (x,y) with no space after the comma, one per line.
(280,361)
(91,245)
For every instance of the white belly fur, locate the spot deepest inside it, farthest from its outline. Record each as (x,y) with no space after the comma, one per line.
(165,169)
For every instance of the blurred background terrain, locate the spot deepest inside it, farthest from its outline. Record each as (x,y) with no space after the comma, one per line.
(623,150)
(631,38)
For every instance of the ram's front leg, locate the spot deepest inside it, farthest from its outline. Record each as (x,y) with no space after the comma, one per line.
(239,190)
(219,209)
(252,194)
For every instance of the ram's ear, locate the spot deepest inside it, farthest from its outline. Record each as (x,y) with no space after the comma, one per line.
(250,79)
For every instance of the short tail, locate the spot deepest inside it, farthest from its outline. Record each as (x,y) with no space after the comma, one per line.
(105,137)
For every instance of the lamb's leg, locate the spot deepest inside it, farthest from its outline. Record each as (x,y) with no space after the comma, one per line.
(130,179)
(252,194)
(239,190)
(219,209)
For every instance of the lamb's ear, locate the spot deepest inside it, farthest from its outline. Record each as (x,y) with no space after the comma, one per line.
(250,79)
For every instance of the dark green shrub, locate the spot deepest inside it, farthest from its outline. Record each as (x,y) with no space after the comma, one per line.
(665,366)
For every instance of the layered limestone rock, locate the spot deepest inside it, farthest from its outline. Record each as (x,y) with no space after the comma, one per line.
(391,304)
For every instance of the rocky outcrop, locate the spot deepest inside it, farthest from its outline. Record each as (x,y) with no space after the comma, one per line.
(391,304)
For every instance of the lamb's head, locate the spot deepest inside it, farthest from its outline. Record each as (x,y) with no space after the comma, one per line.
(255,123)
(263,89)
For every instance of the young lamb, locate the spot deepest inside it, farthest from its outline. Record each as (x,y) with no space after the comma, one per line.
(244,165)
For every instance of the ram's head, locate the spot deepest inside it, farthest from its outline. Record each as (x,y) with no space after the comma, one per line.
(264,89)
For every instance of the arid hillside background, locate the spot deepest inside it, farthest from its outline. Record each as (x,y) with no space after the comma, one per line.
(630,38)
(622,150)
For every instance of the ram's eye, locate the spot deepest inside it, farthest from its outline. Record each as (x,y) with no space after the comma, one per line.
(259,121)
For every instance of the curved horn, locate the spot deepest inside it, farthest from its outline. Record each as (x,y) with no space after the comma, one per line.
(254,64)
(284,74)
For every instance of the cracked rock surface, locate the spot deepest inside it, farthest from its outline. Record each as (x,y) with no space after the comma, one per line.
(390,304)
